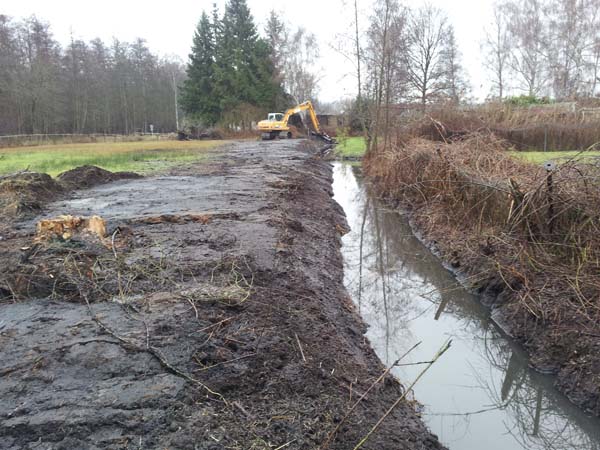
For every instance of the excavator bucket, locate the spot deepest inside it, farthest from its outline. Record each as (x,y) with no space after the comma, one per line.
(325,137)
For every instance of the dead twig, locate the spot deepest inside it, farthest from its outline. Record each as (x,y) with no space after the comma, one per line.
(286,444)
(112,243)
(300,346)
(225,362)
(216,324)
(193,304)
(437,356)
(149,349)
(360,399)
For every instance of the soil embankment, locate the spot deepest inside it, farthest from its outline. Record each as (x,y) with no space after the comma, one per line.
(213,316)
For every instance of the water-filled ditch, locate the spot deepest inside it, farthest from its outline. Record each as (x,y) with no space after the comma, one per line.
(481,394)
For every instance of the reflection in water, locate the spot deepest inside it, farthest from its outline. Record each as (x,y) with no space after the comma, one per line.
(481,394)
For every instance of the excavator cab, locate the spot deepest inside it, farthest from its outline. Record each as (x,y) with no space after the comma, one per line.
(274,126)
(275,117)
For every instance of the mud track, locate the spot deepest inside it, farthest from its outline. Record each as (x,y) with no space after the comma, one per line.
(219,320)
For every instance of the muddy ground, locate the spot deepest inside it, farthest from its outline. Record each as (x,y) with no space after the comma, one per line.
(212,316)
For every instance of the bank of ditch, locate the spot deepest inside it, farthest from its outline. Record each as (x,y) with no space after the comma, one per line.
(525,238)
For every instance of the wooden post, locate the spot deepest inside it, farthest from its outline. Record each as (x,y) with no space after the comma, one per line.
(509,376)
(538,412)
(550,187)
(441,307)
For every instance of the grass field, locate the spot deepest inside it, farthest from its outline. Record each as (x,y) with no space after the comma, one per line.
(352,147)
(558,157)
(142,157)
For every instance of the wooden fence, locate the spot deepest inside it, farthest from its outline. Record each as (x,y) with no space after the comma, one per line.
(23,140)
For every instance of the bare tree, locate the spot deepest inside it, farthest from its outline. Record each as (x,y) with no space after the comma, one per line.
(358,52)
(175,68)
(572,28)
(550,46)
(294,54)
(529,32)
(497,50)
(456,86)
(385,56)
(302,52)
(360,103)
(39,85)
(594,65)
(352,46)
(428,27)
(77,81)
(10,66)
(277,37)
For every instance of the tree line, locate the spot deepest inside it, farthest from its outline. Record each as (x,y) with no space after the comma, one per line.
(534,47)
(84,87)
(545,48)
(411,55)
(408,56)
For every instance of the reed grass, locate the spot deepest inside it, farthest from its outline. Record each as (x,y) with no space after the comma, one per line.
(543,128)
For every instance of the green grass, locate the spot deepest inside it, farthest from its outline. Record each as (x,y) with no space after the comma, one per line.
(542,157)
(352,147)
(142,157)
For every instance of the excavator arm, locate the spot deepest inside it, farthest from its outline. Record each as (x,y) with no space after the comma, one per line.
(307,106)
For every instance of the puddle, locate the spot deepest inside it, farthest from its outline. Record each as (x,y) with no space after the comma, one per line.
(481,393)
(160,195)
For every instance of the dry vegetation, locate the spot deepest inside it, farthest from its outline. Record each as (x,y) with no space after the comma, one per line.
(527,238)
(536,127)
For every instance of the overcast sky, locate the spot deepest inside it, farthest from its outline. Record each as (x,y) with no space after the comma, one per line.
(168,27)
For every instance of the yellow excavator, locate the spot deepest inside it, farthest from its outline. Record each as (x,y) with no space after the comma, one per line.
(277,123)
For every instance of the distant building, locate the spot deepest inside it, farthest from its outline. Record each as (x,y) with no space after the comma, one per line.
(331,121)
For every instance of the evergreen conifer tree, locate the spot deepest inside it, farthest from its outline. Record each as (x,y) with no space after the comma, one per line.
(230,68)
(244,68)
(198,94)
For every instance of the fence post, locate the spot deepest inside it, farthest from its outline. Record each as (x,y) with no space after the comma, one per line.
(545,138)
(550,166)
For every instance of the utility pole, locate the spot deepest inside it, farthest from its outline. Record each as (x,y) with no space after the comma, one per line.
(176,105)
